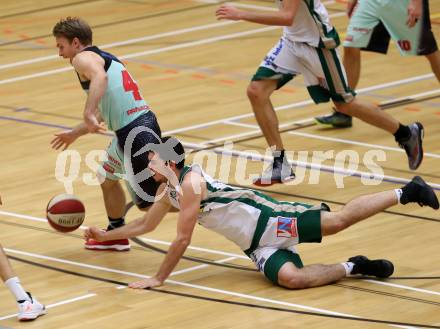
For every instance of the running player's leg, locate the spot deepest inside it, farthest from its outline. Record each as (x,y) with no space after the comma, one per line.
(366,206)
(135,140)
(259,92)
(266,80)
(366,32)
(114,200)
(434,61)
(110,172)
(378,43)
(428,45)
(335,87)
(28,306)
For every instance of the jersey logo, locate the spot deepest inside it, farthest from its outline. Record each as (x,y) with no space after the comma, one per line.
(108,168)
(286,227)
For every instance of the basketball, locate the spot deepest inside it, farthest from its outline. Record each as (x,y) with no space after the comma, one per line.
(65,212)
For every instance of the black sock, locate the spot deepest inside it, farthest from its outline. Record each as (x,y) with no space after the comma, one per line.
(115,223)
(278,156)
(403,133)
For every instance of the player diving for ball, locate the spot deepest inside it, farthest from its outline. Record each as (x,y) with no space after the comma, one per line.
(267,230)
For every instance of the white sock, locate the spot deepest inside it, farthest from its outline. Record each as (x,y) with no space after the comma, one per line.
(399,193)
(16,289)
(348,266)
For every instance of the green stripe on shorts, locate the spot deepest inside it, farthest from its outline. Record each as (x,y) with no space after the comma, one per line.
(277,260)
(263,73)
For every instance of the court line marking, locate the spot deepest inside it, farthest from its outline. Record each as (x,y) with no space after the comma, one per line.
(216,39)
(402,287)
(391,84)
(63,302)
(194,286)
(316,136)
(244,5)
(158,50)
(144,38)
(345,317)
(82,227)
(198,267)
(431,292)
(211,251)
(125,42)
(310,165)
(179,283)
(268,159)
(197,42)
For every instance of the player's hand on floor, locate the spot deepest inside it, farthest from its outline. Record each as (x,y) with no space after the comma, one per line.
(63,140)
(94,233)
(147,283)
(228,12)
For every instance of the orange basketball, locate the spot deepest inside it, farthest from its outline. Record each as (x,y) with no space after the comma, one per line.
(65,212)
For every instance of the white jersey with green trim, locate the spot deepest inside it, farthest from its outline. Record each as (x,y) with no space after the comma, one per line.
(311,25)
(234,212)
(221,212)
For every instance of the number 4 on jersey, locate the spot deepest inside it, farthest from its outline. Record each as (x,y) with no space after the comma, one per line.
(131,85)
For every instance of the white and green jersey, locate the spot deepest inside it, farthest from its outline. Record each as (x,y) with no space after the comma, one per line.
(247,217)
(312,26)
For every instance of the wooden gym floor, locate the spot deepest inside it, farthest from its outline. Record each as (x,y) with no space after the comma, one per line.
(194,71)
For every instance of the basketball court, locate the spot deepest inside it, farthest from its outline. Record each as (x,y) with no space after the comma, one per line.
(193,70)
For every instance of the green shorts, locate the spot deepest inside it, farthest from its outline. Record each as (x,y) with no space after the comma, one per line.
(277,245)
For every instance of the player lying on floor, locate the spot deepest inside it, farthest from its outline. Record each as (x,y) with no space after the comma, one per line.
(266,229)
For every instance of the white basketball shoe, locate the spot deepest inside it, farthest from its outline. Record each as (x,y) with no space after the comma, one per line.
(30,310)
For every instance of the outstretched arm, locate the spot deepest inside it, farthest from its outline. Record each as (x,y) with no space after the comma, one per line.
(145,224)
(189,209)
(65,138)
(283,17)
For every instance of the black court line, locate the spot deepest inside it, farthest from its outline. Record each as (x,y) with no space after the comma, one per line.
(123,21)
(388,294)
(138,241)
(142,247)
(48,8)
(259,135)
(333,201)
(193,259)
(147,247)
(217,300)
(385,106)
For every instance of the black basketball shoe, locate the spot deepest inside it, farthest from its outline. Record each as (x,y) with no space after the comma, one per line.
(380,268)
(418,191)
